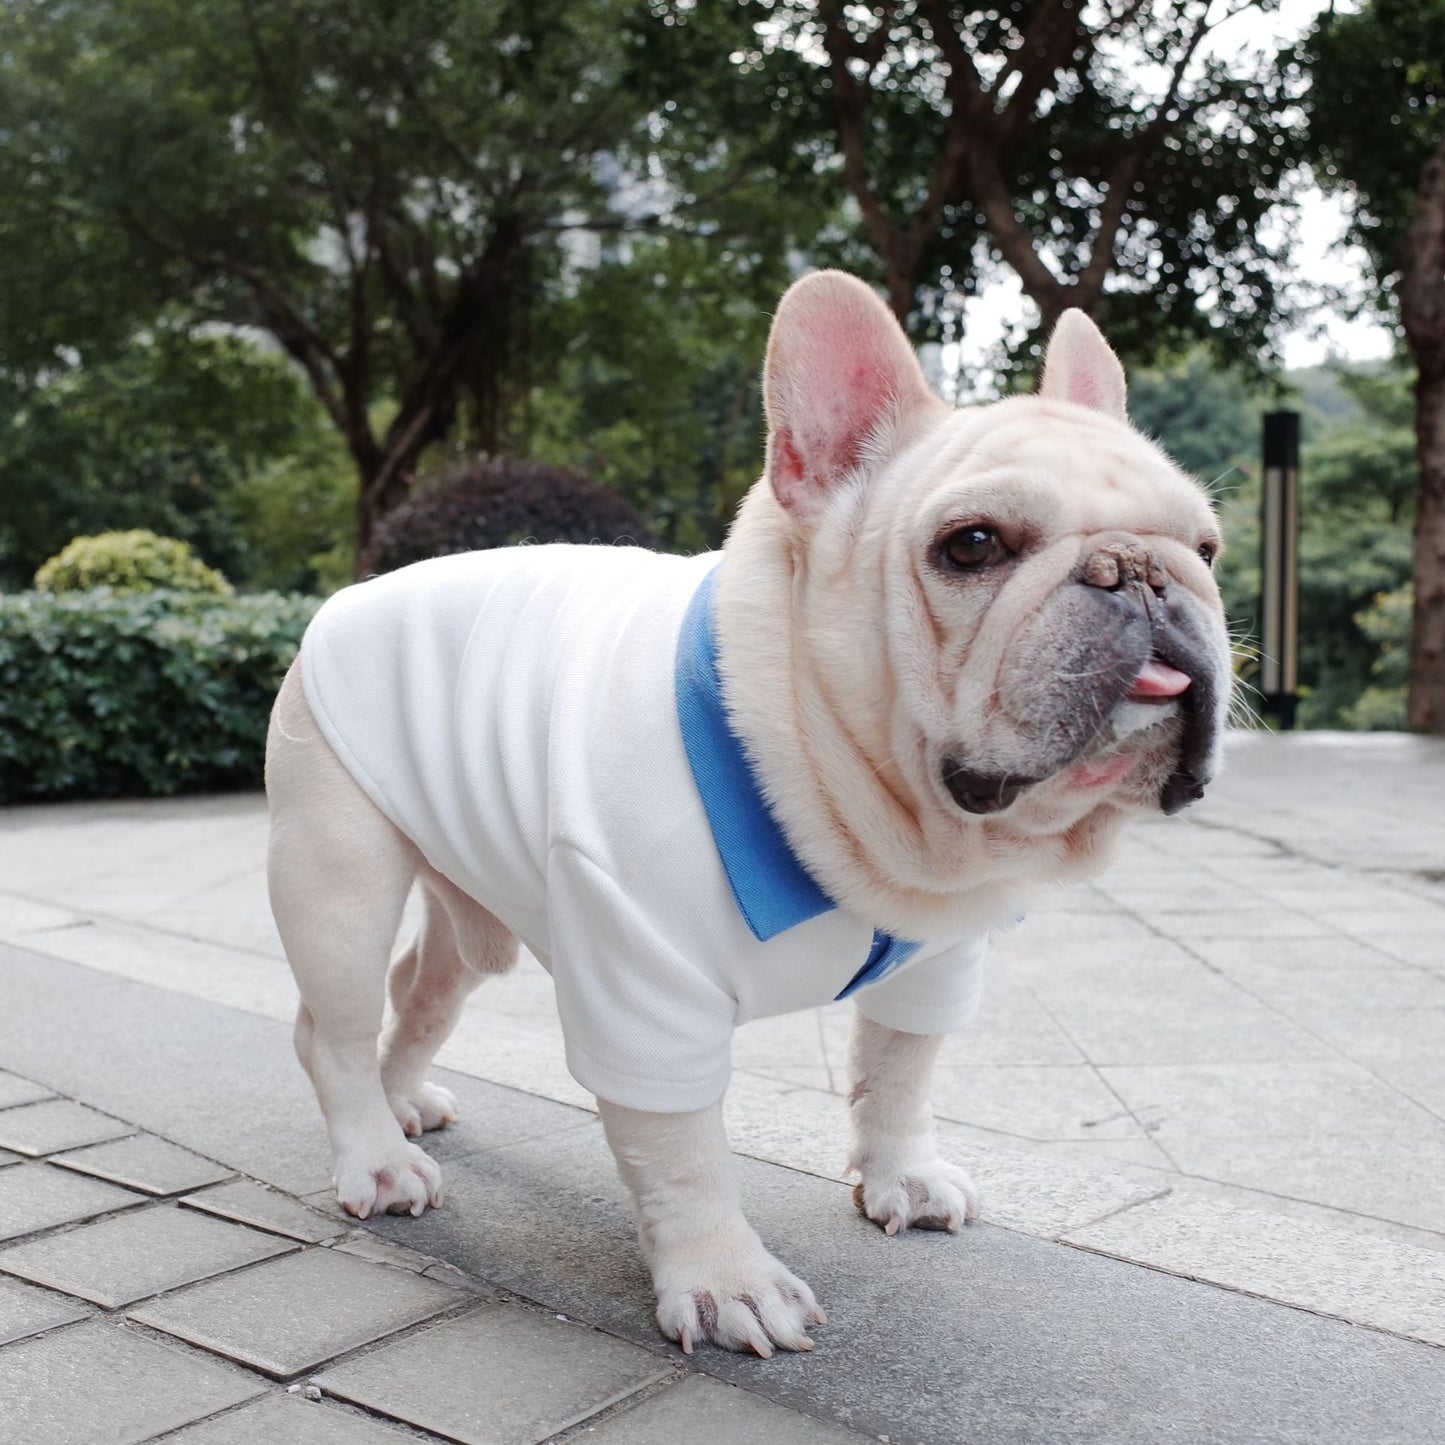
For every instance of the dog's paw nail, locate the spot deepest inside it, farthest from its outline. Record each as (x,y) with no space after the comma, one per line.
(685,1340)
(893,1225)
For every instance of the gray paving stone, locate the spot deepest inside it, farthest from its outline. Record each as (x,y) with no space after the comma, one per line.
(290,1315)
(25,1310)
(15,1090)
(1006,1333)
(56,1124)
(116,1261)
(6,1157)
(1340,1272)
(36,1196)
(144,1162)
(502,1375)
(289,1420)
(704,1409)
(102,1382)
(365,1245)
(267,1209)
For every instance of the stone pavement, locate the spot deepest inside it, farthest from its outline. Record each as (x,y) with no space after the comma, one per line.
(1223,1063)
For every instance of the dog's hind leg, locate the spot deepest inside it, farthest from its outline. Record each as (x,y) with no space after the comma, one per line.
(460,944)
(339,873)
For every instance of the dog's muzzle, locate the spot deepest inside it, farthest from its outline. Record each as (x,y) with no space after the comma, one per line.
(1132,636)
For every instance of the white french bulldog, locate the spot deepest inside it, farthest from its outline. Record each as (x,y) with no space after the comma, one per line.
(943,656)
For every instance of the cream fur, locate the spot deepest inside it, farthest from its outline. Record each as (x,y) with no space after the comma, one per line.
(850,669)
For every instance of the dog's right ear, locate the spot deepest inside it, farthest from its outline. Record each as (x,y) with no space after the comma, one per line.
(839,369)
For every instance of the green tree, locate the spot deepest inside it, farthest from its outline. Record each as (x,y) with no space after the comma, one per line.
(1377,117)
(1095,151)
(656,388)
(381,188)
(1206,416)
(180,433)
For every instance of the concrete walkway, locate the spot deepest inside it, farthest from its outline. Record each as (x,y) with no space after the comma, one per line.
(1224,1063)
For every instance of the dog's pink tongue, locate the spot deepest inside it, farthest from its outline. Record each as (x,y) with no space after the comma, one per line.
(1158,679)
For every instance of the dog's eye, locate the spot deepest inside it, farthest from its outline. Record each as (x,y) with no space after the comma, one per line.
(1207,551)
(971,548)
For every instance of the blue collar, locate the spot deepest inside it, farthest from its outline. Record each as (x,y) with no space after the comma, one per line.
(774,891)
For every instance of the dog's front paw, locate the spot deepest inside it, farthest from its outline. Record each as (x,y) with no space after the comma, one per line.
(930,1195)
(403,1180)
(425,1107)
(735,1295)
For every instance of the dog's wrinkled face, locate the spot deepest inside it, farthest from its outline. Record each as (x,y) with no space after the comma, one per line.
(1076,638)
(1054,638)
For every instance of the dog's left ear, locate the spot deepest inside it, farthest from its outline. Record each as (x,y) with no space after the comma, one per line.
(1080,367)
(839,369)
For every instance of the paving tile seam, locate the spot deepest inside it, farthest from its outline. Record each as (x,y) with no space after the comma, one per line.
(276,1389)
(640,1396)
(140,1300)
(618,1404)
(70,1225)
(302,1377)
(1097,1070)
(114,1319)
(92,918)
(1347,1216)
(1254,1295)
(1073,1225)
(1272,1008)
(586,1123)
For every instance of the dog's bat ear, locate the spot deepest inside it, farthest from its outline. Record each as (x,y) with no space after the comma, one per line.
(1080,367)
(839,370)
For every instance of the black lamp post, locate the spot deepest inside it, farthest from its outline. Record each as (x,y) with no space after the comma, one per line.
(1279,567)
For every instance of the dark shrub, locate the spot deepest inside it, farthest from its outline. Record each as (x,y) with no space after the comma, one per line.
(498,504)
(157,692)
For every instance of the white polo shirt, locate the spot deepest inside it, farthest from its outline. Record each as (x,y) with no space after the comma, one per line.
(546,724)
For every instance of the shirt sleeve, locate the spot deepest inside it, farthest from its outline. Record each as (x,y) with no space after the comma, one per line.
(643,1027)
(934,995)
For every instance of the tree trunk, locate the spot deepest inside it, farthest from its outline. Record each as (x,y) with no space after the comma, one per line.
(1425,709)
(1422,312)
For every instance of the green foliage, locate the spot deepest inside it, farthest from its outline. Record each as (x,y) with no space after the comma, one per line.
(136,561)
(1206,417)
(192,435)
(1355,516)
(1376,106)
(656,392)
(1357,479)
(1002,135)
(385,190)
(501,503)
(1386,622)
(159,692)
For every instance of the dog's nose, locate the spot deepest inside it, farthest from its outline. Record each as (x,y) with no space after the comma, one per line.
(1121,563)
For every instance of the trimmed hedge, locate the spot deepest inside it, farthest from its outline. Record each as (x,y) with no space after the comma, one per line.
(135,561)
(156,692)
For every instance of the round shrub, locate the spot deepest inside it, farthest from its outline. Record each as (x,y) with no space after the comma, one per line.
(128,562)
(498,504)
